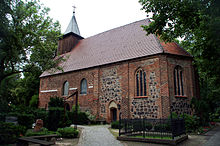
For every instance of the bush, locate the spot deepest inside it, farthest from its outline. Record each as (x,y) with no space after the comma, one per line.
(191,121)
(148,126)
(82,118)
(55,118)
(115,125)
(34,101)
(162,127)
(56,102)
(24,119)
(68,132)
(138,125)
(10,132)
(41,114)
(43,131)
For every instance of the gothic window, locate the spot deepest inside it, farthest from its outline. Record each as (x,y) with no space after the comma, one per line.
(141,83)
(178,81)
(83,87)
(65,88)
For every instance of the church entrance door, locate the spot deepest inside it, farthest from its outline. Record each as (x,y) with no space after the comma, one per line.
(113,112)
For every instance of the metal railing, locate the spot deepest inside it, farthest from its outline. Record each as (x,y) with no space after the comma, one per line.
(152,128)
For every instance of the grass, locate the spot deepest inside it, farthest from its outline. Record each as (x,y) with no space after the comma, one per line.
(152,137)
(116,134)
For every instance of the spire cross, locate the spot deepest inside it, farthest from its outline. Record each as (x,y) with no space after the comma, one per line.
(74,8)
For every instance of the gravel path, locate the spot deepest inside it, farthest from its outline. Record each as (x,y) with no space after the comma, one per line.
(97,136)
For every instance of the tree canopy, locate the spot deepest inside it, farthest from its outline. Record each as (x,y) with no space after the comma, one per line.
(28,43)
(197,23)
(29,37)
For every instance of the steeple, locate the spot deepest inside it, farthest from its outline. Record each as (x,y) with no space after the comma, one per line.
(72,27)
(70,38)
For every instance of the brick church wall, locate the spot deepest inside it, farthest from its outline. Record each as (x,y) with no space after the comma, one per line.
(181,105)
(117,83)
(150,105)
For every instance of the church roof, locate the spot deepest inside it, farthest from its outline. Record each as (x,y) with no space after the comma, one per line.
(72,27)
(119,44)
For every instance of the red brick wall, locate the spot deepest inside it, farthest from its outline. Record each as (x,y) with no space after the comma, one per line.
(181,104)
(117,82)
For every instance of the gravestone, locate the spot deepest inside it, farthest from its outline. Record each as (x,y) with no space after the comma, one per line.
(39,124)
(11,119)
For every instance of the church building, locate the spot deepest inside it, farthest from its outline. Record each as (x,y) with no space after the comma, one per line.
(121,70)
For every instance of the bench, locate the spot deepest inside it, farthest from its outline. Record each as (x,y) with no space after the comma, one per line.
(44,137)
(23,141)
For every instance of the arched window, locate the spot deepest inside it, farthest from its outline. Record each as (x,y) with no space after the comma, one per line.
(83,87)
(65,88)
(141,83)
(178,81)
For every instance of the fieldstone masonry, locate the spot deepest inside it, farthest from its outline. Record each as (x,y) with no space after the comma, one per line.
(111,88)
(147,107)
(116,82)
(181,105)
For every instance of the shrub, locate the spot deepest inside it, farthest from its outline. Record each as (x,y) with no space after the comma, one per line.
(162,127)
(56,102)
(10,132)
(41,114)
(138,125)
(24,119)
(68,132)
(43,131)
(82,118)
(55,118)
(116,125)
(148,126)
(90,116)
(191,121)
(34,101)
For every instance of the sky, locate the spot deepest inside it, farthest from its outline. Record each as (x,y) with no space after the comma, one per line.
(95,16)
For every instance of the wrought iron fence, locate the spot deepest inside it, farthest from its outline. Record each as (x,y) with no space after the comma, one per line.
(151,128)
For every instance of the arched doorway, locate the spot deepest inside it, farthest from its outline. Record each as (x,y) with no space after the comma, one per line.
(67,107)
(113,112)
(113,115)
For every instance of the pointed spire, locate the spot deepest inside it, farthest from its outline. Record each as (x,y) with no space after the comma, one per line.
(73,26)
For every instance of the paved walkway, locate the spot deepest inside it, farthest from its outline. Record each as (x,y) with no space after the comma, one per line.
(97,136)
(213,137)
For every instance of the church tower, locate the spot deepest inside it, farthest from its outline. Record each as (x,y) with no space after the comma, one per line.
(70,38)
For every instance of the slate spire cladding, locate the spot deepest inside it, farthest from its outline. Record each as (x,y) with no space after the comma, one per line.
(73,26)
(70,38)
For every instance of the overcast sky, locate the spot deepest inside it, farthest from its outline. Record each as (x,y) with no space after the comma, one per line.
(95,16)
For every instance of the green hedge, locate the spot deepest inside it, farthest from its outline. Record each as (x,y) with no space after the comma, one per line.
(192,122)
(10,132)
(24,119)
(115,125)
(68,132)
(57,119)
(43,131)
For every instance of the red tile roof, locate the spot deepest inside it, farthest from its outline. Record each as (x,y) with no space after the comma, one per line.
(119,44)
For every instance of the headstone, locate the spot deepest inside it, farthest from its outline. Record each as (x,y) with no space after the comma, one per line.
(39,125)
(11,119)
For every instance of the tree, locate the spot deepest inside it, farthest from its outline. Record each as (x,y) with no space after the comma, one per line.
(30,37)
(197,23)
(28,43)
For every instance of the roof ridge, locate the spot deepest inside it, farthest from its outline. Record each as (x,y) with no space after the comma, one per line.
(118,27)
